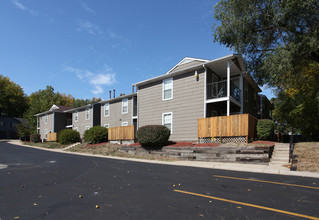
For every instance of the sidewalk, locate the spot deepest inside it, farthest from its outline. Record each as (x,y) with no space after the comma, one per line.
(255,168)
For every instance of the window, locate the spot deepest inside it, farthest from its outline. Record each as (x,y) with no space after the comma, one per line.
(87,113)
(168,89)
(76,116)
(167,120)
(106,109)
(106,125)
(124,106)
(46,119)
(87,128)
(2,124)
(124,123)
(45,133)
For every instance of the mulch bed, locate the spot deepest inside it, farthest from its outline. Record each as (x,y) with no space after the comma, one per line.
(270,143)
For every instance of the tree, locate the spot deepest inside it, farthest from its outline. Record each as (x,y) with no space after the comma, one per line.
(42,101)
(274,36)
(13,101)
(279,40)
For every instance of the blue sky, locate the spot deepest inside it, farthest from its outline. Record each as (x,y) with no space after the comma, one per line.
(86,48)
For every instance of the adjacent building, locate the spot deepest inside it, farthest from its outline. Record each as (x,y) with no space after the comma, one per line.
(194,88)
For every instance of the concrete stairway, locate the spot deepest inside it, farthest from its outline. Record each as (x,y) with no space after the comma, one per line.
(280,154)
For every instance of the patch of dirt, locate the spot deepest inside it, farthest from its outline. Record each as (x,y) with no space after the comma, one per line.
(307,156)
(267,143)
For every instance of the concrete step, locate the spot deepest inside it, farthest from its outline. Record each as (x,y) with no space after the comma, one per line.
(279,160)
(277,163)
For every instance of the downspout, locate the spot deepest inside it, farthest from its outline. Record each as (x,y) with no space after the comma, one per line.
(205,90)
(53,123)
(228,88)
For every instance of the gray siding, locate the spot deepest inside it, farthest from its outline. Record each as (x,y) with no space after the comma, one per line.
(187,105)
(116,117)
(82,122)
(48,126)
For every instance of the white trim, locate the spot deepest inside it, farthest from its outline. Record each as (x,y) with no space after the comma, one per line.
(87,110)
(106,125)
(124,123)
(134,117)
(205,90)
(108,105)
(69,126)
(186,60)
(125,101)
(168,113)
(228,88)
(46,119)
(76,116)
(217,100)
(163,88)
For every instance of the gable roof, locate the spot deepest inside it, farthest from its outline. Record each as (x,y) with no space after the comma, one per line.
(187,62)
(59,108)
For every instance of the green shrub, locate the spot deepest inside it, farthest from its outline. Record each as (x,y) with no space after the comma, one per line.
(69,136)
(153,135)
(95,135)
(265,129)
(35,138)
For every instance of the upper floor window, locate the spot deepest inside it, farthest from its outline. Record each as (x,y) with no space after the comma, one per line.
(76,116)
(46,119)
(124,106)
(168,89)
(106,109)
(87,113)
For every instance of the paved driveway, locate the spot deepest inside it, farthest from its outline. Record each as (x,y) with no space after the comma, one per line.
(46,185)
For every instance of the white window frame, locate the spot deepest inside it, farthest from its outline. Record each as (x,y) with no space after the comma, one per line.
(106,108)
(45,133)
(163,92)
(163,122)
(87,128)
(125,105)
(106,125)
(46,119)
(87,114)
(124,123)
(76,116)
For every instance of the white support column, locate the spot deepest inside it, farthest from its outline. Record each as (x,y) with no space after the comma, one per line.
(241,87)
(228,87)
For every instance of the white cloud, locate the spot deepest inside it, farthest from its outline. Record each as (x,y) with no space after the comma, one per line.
(89,27)
(87,8)
(20,6)
(97,80)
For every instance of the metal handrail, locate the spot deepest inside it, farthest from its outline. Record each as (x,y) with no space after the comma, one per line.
(219,90)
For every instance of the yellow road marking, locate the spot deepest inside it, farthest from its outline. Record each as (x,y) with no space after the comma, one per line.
(263,181)
(250,205)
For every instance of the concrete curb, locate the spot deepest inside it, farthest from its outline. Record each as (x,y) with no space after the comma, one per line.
(255,168)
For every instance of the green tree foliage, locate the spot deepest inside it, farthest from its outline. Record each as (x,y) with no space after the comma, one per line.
(274,36)
(13,101)
(23,131)
(280,43)
(265,129)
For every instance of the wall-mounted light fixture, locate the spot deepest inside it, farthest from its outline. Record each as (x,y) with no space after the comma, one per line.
(196,75)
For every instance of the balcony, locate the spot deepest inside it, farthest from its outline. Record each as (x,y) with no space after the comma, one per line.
(219,90)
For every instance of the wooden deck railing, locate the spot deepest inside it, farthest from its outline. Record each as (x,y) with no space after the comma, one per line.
(121,133)
(52,137)
(243,125)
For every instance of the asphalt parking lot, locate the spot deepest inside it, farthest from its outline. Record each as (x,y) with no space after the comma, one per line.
(46,185)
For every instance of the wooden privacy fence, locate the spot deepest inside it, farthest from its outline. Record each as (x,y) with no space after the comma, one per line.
(234,128)
(52,136)
(121,133)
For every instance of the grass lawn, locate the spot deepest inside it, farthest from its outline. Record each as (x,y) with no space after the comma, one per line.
(108,149)
(307,155)
(50,145)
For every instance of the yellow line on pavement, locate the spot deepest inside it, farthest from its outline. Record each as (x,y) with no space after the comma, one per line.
(250,205)
(263,181)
